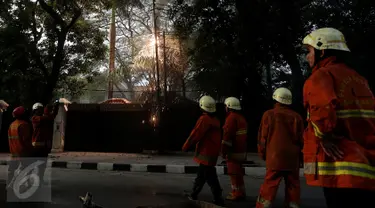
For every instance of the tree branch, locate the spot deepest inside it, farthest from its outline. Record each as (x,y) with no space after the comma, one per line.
(34,48)
(53,13)
(77,15)
(37,35)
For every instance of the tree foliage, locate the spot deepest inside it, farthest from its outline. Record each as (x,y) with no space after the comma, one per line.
(245,48)
(44,44)
(240,39)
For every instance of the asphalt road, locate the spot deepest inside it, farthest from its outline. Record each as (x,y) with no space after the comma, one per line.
(127,190)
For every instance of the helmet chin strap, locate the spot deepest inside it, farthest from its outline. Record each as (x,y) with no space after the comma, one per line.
(317,57)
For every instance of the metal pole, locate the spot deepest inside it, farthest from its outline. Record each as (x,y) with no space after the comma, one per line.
(112,51)
(165,69)
(156,55)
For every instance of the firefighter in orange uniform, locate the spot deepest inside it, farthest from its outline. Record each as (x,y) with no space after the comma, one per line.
(339,142)
(207,137)
(280,144)
(234,147)
(43,121)
(19,135)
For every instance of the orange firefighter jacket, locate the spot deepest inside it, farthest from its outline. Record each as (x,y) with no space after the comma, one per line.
(207,137)
(234,137)
(19,135)
(340,108)
(43,130)
(280,138)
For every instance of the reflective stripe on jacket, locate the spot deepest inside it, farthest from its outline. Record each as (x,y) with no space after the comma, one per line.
(280,138)
(207,137)
(234,137)
(19,136)
(341,107)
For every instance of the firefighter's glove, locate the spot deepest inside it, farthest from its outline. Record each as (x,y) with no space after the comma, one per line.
(331,149)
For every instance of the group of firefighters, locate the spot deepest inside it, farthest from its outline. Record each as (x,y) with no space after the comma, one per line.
(338,145)
(31,137)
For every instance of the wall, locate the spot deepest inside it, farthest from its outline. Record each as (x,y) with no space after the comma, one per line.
(108,128)
(128,128)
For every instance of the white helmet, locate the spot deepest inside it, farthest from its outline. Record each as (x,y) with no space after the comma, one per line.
(283,95)
(208,104)
(3,104)
(326,38)
(37,105)
(233,103)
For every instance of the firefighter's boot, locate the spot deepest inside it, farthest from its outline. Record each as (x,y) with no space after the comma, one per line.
(235,197)
(218,197)
(197,188)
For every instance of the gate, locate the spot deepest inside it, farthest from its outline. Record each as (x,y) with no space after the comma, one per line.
(108,128)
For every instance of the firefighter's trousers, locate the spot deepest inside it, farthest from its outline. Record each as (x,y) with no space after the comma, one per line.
(42,155)
(271,183)
(348,197)
(207,174)
(236,173)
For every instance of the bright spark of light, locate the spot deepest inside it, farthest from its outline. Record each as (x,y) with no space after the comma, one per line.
(148,49)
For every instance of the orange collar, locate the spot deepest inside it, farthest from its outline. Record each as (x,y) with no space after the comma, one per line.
(324,62)
(278,105)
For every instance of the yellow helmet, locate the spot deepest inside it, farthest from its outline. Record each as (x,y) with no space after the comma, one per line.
(208,104)
(326,38)
(233,103)
(283,95)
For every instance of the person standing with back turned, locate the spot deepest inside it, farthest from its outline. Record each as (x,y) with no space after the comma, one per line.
(280,144)
(206,135)
(234,147)
(43,121)
(339,142)
(19,135)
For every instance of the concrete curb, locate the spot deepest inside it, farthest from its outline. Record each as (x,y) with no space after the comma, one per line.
(177,169)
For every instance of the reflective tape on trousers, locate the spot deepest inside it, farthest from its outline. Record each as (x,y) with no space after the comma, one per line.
(208,159)
(293,205)
(13,137)
(38,144)
(229,143)
(340,168)
(241,132)
(237,156)
(264,202)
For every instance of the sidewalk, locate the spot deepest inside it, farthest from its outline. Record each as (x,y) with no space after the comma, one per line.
(172,163)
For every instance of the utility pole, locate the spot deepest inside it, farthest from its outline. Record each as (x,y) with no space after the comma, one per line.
(156,55)
(112,49)
(165,70)
(183,65)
